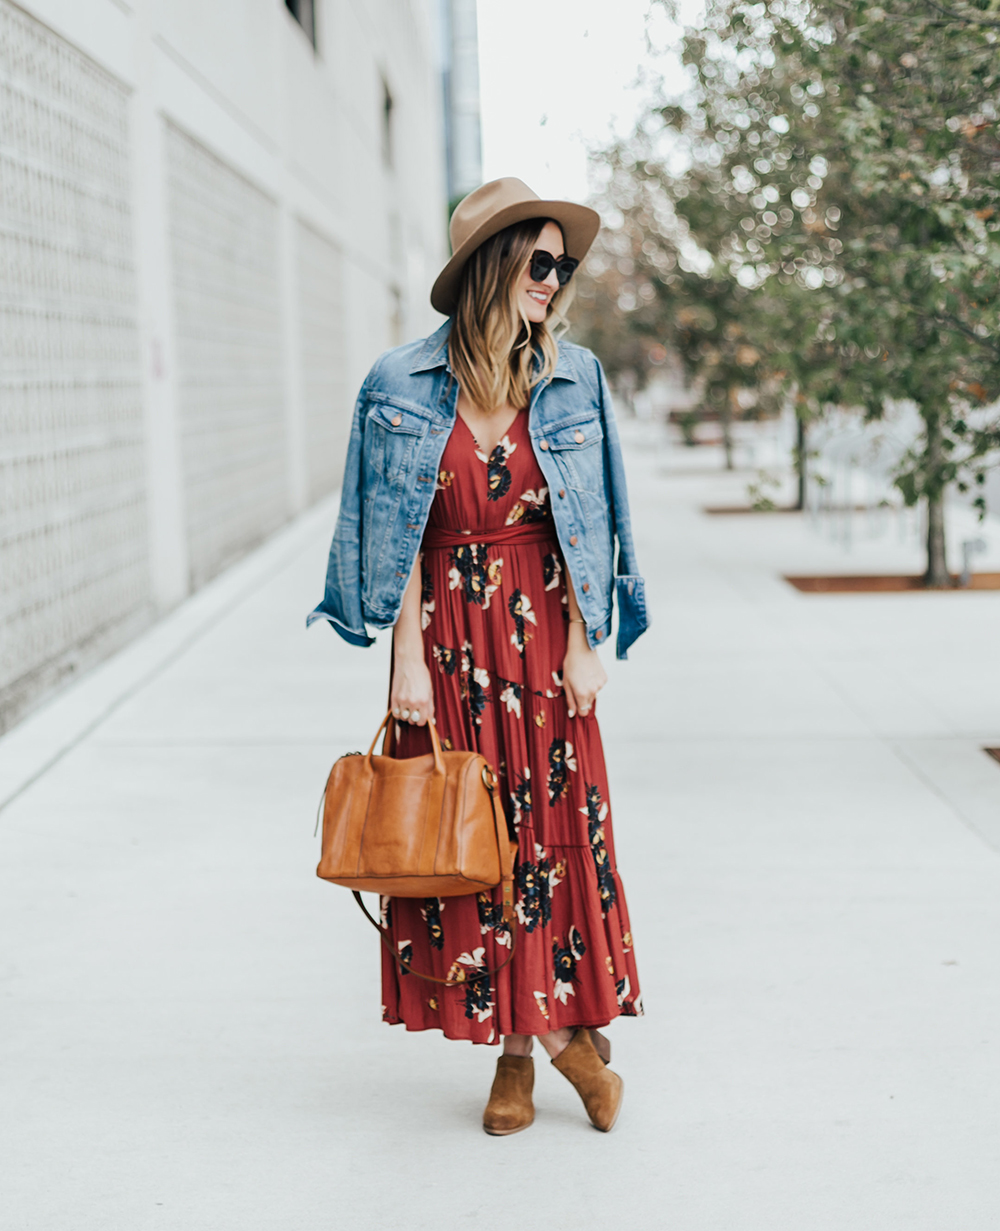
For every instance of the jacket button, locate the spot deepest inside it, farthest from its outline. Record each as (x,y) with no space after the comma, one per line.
(543,444)
(572,540)
(586,586)
(599,635)
(579,438)
(397,421)
(562,494)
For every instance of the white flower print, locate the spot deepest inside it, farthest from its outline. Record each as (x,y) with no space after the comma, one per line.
(506,450)
(543,1004)
(558,680)
(511,697)
(529,507)
(523,614)
(552,571)
(565,958)
(472,571)
(475,983)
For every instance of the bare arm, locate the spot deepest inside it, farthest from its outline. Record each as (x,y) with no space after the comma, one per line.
(583,673)
(411,697)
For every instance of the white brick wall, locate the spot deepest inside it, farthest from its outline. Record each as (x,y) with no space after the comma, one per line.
(223,239)
(327,402)
(202,250)
(73,568)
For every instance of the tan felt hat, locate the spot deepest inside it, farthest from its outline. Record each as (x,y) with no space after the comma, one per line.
(496,205)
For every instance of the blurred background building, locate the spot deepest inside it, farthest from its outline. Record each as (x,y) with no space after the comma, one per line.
(212,218)
(463,131)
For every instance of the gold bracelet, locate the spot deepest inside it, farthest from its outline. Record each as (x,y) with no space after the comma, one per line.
(574,620)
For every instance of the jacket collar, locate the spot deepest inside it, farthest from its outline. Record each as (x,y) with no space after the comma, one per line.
(434,354)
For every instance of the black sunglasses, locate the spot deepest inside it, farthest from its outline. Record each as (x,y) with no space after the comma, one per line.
(543,263)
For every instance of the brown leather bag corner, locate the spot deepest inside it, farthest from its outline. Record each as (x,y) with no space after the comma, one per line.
(415,827)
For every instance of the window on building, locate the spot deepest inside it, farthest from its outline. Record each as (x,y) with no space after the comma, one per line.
(304,12)
(387,150)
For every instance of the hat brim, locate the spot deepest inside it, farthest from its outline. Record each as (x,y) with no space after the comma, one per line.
(579,224)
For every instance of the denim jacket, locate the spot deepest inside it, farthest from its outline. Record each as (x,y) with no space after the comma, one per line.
(404,415)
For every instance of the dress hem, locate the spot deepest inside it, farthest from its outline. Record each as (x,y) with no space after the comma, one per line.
(464,1038)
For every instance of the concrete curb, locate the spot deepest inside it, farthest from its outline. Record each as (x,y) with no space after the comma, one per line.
(32,747)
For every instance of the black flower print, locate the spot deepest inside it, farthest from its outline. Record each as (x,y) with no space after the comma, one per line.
(534,897)
(431,914)
(475,684)
(561,761)
(491,917)
(405,948)
(497,474)
(531,506)
(522,613)
(551,570)
(469,970)
(511,697)
(445,479)
(446,659)
(596,812)
(622,989)
(473,571)
(426,595)
(630,1008)
(564,960)
(520,798)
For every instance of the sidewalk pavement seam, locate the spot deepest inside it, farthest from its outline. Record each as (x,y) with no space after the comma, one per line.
(900,753)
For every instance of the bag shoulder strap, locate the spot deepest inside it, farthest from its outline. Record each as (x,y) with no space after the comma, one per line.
(461,977)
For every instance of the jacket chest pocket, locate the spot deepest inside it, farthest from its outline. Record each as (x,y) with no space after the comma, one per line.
(577,450)
(392,435)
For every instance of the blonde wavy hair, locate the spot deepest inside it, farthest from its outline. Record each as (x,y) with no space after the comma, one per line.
(496,353)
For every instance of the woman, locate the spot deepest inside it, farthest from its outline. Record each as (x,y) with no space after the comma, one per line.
(482,496)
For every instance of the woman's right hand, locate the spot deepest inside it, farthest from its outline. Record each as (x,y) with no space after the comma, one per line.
(411,698)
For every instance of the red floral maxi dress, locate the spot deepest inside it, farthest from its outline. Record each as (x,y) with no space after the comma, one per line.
(495,616)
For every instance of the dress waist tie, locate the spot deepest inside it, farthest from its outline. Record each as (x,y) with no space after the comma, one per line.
(519,532)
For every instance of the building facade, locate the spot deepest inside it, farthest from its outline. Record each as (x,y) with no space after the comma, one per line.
(463,133)
(212,219)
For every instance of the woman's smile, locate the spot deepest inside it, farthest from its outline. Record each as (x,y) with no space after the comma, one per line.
(536,296)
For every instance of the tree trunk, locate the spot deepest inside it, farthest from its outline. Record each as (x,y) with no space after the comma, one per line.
(726,423)
(937,561)
(800,461)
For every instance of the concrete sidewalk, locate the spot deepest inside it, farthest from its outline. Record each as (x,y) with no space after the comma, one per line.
(808,832)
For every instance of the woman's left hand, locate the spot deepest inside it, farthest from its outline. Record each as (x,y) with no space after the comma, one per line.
(583,674)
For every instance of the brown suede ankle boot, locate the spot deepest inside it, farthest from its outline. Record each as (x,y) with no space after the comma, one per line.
(599,1087)
(510,1107)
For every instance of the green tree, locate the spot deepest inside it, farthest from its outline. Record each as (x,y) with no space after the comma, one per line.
(840,163)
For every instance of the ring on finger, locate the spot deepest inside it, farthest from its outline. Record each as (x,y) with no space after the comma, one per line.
(415,716)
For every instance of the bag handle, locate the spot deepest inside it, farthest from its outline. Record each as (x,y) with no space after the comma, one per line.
(388,724)
(508,901)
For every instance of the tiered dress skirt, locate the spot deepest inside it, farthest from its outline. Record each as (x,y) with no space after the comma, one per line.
(494,612)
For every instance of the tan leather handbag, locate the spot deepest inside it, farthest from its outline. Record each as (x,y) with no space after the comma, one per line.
(416,827)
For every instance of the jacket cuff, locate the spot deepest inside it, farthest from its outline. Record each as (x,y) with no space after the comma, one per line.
(353,635)
(633,620)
